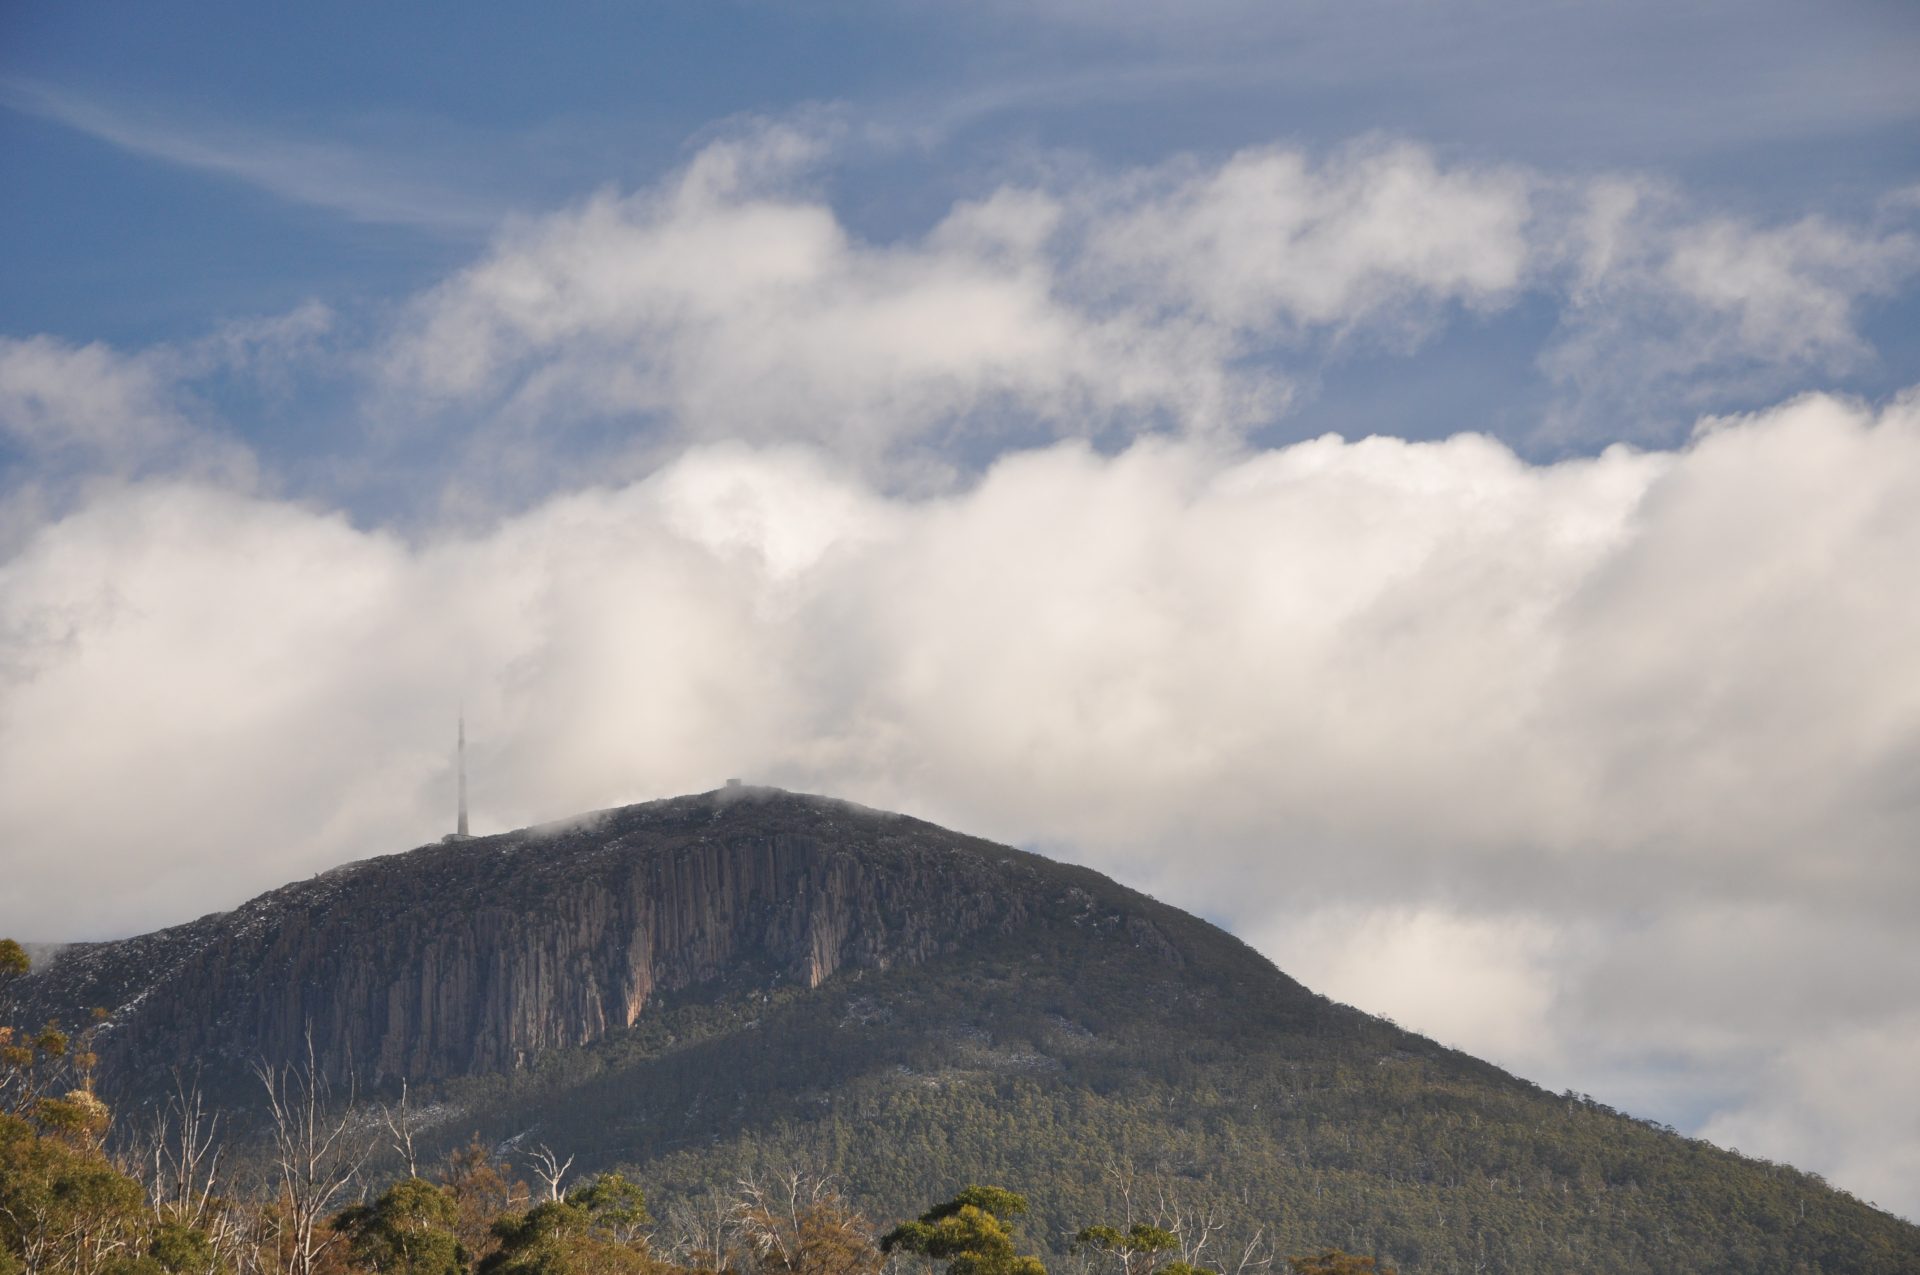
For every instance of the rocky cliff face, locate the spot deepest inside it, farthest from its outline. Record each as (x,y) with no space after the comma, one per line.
(475,956)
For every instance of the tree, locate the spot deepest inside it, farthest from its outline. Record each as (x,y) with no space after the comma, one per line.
(971,1233)
(482,1191)
(36,1066)
(65,1209)
(594,1230)
(318,1153)
(802,1226)
(1135,1250)
(701,1231)
(181,1153)
(402,1124)
(616,1208)
(550,1169)
(409,1230)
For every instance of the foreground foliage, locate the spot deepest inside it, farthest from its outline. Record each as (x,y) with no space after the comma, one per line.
(68,1207)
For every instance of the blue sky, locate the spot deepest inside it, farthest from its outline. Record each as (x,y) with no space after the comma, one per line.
(354,154)
(1434,486)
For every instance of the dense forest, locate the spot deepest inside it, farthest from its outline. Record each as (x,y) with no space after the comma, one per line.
(327,1185)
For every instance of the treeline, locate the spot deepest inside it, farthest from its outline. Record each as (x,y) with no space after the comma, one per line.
(157,1200)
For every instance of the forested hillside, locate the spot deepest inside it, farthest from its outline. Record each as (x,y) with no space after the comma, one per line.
(754,985)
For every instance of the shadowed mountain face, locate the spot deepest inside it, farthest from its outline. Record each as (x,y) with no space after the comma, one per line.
(750,979)
(477,956)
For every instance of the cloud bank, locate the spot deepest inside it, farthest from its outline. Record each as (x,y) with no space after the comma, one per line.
(1624,744)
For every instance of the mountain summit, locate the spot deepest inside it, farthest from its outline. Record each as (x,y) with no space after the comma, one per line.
(479,955)
(747,979)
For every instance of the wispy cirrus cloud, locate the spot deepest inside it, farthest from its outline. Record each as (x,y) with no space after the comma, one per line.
(353,182)
(1614,82)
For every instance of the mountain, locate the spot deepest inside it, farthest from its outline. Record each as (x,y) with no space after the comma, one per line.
(750,979)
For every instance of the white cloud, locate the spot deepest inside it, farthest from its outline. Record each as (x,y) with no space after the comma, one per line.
(1791,291)
(77,413)
(1850,1090)
(266,348)
(1188,298)
(734,305)
(1654,714)
(1669,310)
(1269,240)
(1486,984)
(91,399)
(739,307)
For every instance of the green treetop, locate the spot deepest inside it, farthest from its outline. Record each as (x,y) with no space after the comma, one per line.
(971,1233)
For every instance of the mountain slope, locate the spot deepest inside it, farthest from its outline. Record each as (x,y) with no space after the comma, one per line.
(749,979)
(475,956)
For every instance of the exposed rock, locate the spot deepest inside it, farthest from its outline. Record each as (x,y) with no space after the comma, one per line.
(476,956)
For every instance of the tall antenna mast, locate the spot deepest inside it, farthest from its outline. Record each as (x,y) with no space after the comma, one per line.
(460,829)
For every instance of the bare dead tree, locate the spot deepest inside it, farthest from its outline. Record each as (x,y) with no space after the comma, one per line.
(180,1162)
(1194,1226)
(317,1154)
(70,1241)
(766,1217)
(800,1224)
(401,1123)
(1130,1248)
(251,1254)
(1198,1227)
(550,1168)
(1257,1255)
(699,1232)
(1125,1178)
(183,1154)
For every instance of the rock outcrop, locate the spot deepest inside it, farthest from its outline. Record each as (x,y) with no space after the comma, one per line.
(476,956)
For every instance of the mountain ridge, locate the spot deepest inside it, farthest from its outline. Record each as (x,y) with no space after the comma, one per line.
(727,983)
(461,922)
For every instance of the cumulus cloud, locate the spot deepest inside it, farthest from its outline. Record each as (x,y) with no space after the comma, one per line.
(733,302)
(1624,743)
(1269,240)
(1187,298)
(90,410)
(1668,310)
(60,399)
(736,306)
